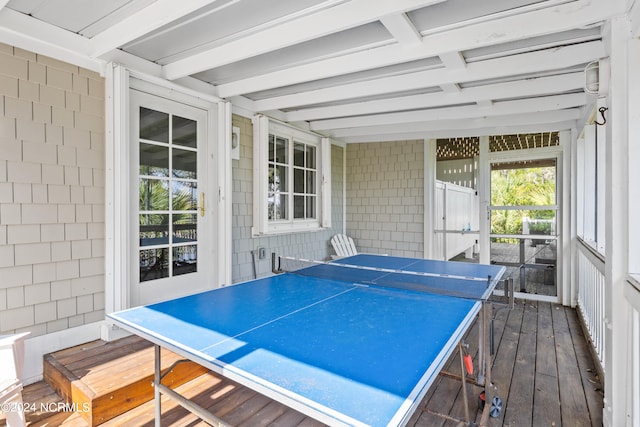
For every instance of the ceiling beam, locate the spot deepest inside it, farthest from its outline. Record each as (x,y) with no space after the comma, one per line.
(528,118)
(523,88)
(145,21)
(527,123)
(307,27)
(505,129)
(401,28)
(549,20)
(529,105)
(545,60)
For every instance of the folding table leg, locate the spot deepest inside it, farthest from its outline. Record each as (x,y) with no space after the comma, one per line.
(489,387)
(156,387)
(482,344)
(463,377)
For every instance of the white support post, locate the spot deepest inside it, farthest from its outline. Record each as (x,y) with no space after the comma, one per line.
(563,221)
(617,309)
(634,152)
(484,200)
(225,189)
(430,157)
(117,184)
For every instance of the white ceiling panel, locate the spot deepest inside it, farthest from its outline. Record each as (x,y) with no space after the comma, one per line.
(342,43)
(72,15)
(453,13)
(533,43)
(211,25)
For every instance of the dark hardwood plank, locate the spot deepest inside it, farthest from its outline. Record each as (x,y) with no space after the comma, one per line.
(505,356)
(518,406)
(572,397)
(587,366)
(546,409)
(289,418)
(247,409)
(266,416)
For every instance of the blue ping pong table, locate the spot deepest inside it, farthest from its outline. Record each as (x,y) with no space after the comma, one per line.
(350,342)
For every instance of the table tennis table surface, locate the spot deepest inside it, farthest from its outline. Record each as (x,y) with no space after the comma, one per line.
(344,351)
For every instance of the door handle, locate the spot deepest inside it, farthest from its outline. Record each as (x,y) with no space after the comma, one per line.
(202,208)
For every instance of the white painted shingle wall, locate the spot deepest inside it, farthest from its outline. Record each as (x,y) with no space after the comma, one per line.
(385,197)
(51,194)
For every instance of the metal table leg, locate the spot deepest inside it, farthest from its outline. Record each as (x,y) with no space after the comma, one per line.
(156,387)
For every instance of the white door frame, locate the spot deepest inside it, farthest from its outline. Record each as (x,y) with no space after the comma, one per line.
(562,198)
(118,257)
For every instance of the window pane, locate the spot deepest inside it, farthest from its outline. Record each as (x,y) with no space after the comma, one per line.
(281,150)
(185,196)
(272,141)
(298,180)
(185,259)
(185,228)
(154,125)
(274,180)
(154,160)
(278,179)
(184,132)
(311,206)
(277,206)
(298,207)
(154,229)
(311,156)
(154,264)
(298,154)
(311,182)
(185,164)
(154,195)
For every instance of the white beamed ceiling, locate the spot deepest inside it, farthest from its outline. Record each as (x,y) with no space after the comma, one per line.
(354,70)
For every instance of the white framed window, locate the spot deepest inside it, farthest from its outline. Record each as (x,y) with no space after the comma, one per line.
(291,178)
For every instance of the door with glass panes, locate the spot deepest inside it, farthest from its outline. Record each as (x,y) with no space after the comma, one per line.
(171,217)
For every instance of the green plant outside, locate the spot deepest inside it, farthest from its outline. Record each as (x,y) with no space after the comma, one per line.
(522,187)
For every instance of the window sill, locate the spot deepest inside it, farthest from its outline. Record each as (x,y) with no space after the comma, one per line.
(282,232)
(592,247)
(634,280)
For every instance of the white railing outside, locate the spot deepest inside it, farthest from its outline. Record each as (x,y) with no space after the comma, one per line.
(591,298)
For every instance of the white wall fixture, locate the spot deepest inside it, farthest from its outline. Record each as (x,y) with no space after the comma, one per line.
(235,143)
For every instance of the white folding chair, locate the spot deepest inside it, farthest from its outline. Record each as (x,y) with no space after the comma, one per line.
(11,363)
(343,246)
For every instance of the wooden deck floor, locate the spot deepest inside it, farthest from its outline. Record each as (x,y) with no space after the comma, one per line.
(542,368)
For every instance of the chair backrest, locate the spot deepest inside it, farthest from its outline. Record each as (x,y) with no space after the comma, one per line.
(343,245)
(12,355)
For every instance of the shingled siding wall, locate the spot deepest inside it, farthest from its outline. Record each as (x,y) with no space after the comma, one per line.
(385,197)
(310,245)
(51,194)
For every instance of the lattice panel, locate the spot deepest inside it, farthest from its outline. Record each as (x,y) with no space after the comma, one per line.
(469,147)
